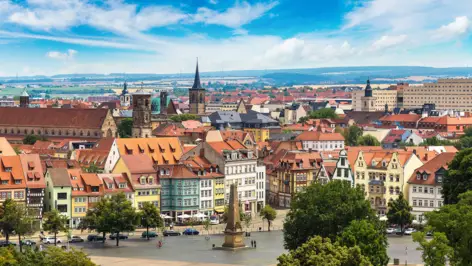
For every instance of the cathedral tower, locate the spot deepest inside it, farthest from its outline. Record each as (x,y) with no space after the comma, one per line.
(197,95)
(24,99)
(368,101)
(141,115)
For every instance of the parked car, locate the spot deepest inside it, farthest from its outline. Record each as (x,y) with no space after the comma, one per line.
(214,219)
(27,242)
(76,239)
(122,236)
(429,233)
(151,234)
(409,231)
(398,231)
(171,233)
(95,238)
(4,243)
(390,230)
(50,240)
(191,231)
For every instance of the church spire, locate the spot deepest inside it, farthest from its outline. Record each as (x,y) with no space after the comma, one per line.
(196,81)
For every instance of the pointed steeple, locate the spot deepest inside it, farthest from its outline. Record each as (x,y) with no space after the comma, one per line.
(24,93)
(125,88)
(196,81)
(368,89)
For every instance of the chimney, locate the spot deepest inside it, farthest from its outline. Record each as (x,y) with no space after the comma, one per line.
(426,156)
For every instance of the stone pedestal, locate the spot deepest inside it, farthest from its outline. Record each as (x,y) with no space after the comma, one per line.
(234,240)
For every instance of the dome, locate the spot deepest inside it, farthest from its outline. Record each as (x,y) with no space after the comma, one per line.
(156,104)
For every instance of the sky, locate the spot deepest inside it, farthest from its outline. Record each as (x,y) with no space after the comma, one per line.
(47,37)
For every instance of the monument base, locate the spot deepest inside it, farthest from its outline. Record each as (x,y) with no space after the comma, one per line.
(233,241)
(232,249)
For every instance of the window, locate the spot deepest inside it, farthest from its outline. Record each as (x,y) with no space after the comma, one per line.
(414,202)
(420,203)
(425,176)
(143,180)
(61,196)
(420,189)
(122,185)
(62,208)
(431,203)
(397,178)
(414,189)
(431,190)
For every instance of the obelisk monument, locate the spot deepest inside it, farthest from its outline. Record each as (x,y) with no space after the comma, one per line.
(233,232)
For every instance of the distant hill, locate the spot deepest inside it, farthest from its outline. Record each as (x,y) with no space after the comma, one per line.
(325,75)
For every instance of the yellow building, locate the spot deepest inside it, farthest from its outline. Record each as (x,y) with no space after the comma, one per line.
(219,194)
(293,172)
(383,175)
(260,134)
(142,176)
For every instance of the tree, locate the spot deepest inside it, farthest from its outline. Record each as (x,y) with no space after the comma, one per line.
(92,168)
(320,251)
(435,251)
(183,117)
(368,140)
(303,119)
(8,217)
(55,222)
(370,237)
(247,219)
(399,212)
(23,224)
(269,214)
(31,139)
(125,128)
(17,150)
(206,225)
(352,134)
(120,215)
(224,217)
(96,219)
(323,113)
(458,177)
(50,256)
(150,216)
(324,210)
(455,221)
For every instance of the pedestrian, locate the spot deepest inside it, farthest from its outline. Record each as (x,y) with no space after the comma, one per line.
(41,247)
(255,244)
(252,243)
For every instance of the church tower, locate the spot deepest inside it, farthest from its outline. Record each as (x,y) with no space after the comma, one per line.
(163,103)
(24,99)
(125,97)
(141,115)
(368,101)
(197,95)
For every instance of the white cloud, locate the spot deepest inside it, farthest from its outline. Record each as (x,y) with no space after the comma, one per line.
(213,2)
(240,31)
(389,41)
(460,26)
(70,54)
(233,17)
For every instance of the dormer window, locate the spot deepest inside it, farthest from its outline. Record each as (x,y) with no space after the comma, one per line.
(81,189)
(17,181)
(384,164)
(74,177)
(162,171)
(143,180)
(418,176)
(167,172)
(425,176)
(8,169)
(122,185)
(110,186)
(150,180)
(75,189)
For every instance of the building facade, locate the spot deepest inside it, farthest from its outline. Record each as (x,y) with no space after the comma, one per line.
(446,94)
(35,186)
(58,191)
(321,141)
(425,186)
(382,98)
(141,115)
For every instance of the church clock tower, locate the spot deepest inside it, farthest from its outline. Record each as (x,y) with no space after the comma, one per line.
(141,115)
(368,101)
(197,95)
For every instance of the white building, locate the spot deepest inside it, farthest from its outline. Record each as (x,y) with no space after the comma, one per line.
(343,169)
(206,196)
(260,186)
(335,167)
(320,141)
(425,186)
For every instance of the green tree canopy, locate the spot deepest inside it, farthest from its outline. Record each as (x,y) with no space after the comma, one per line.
(31,139)
(371,238)
(352,134)
(8,217)
(55,222)
(455,221)
(92,168)
(50,256)
(320,251)
(399,212)
(324,210)
(23,224)
(96,218)
(268,213)
(323,113)
(120,215)
(183,117)
(435,252)
(458,177)
(150,217)
(125,128)
(367,140)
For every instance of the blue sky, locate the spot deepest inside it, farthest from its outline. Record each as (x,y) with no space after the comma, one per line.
(165,36)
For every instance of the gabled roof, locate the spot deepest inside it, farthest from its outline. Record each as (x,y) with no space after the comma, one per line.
(33,170)
(154,148)
(11,170)
(138,163)
(441,160)
(319,136)
(60,177)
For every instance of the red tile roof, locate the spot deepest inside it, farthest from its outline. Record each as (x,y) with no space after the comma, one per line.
(33,170)
(53,117)
(401,118)
(441,160)
(12,172)
(319,136)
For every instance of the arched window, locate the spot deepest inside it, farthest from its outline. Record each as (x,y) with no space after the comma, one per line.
(81,133)
(32,131)
(88,133)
